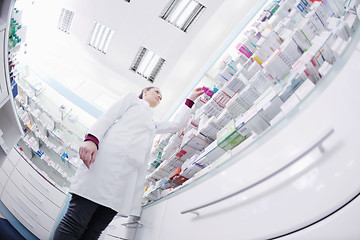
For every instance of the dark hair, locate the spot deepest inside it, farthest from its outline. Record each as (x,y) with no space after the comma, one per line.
(142,91)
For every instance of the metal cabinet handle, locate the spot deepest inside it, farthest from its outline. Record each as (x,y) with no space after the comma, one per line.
(19,216)
(38,183)
(131,224)
(25,208)
(316,144)
(28,193)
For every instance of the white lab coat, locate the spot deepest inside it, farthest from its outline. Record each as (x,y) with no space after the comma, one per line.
(126,132)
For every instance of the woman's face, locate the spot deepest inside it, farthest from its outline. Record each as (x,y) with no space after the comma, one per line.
(152,96)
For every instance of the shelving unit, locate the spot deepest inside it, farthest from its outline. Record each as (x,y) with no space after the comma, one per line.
(10,129)
(53,135)
(42,132)
(251,93)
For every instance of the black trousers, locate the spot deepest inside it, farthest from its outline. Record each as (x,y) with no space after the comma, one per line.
(84,219)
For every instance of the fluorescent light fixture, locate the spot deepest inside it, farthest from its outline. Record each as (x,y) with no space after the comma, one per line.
(182,13)
(147,64)
(100,37)
(65,20)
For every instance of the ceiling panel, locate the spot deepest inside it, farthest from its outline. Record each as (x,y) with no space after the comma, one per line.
(135,24)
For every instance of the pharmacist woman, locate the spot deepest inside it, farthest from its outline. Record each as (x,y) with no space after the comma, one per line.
(115,155)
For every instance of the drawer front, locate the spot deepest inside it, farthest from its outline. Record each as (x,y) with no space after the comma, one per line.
(35,196)
(25,219)
(29,208)
(13,156)
(7,167)
(1,188)
(3,177)
(43,186)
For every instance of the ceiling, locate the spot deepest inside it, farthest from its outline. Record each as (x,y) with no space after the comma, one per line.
(100,78)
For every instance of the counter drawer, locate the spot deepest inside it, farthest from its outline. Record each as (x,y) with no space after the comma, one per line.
(7,167)
(3,177)
(43,186)
(28,207)
(35,196)
(13,156)
(25,219)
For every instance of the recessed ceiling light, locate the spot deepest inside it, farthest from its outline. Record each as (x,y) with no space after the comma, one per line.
(182,13)
(147,64)
(65,20)
(100,37)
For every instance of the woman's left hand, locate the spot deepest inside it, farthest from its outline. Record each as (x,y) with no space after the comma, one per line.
(195,94)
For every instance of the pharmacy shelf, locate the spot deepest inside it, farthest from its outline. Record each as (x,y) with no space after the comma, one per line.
(35,93)
(295,103)
(43,174)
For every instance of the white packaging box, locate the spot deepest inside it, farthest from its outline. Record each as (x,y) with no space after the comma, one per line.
(351,4)
(199,142)
(265,98)
(283,10)
(274,20)
(251,35)
(316,21)
(326,39)
(321,11)
(290,104)
(188,162)
(324,69)
(257,124)
(301,40)
(249,95)
(231,63)
(240,60)
(268,43)
(190,150)
(230,69)
(306,87)
(220,79)
(352,21)
(224,118)
(211,108)
(293,20)
(303,6)
(222,96)
(271,109)
(290,50)
(308,28)
(248,44)
(280,28)
(229,92)
(260,82)
(226,74)
(235,84)
(275,66)
(336,7)
(243,74)
(211,129)
(308,64)
(188,136)
(254,68)
(342,31)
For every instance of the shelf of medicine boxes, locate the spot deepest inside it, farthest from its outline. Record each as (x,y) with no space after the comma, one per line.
(49,143)
(276,104)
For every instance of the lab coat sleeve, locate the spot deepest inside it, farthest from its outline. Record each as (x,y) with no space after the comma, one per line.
(108,118)
(175,125)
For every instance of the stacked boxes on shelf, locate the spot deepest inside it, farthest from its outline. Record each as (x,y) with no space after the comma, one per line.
(48,145)
(291,47)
